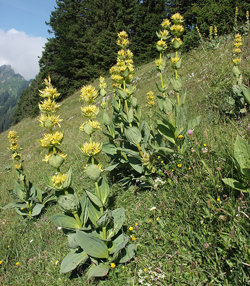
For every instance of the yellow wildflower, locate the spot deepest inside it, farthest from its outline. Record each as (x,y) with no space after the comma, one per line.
(130,228)
(174,60)
(49,121)
(102,84)
(180,136)
(177,29)
(18,263)
(158,62)
(50,140)
(89,93)
(166,23)
(94,124)
(237,51)
(12,136)
(14,147)
(122,34)
(1,261)
(90,111)
(134,238)
(58,179)
(16,156)
(179,165)
(164,34)
(91,149)
(237,45)
(112,265)
(49,105)
(162,44)
(18,166)
(218,199)
(177,18)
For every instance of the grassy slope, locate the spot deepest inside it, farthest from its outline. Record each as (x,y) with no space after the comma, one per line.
(38,259)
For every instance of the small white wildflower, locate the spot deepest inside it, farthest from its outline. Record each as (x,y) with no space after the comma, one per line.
(153,208)
(31,240)
(59,227)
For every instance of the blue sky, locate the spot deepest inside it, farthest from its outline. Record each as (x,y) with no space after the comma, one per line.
(23,33)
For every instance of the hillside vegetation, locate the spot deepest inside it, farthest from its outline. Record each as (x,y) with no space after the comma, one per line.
(190,228)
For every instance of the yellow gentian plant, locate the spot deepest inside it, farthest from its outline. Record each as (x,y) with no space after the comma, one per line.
(31,199)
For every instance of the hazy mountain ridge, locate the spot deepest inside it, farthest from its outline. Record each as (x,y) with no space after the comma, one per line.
(11,87)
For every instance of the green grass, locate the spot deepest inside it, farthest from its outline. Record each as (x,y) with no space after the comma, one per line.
(198,233)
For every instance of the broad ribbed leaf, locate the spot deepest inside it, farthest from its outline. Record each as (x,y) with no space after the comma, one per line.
(93,212)
(119,217)
(37,209)
(64,221)
(235,185)
(94,199)
(99,270)
(104,189)
(92,245)
(72,260)
(242,155)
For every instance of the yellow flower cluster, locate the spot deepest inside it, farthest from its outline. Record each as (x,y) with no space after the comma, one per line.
(59,153)
(151,98)
(91,149)
(49,106)
(14,147)
(237,50)
(51,139)
(12,136)
(124,68)
(94,124)
(123,40)
(49,121)
(165,24)
(174,60)
(88,94)
(177,30)
(90,111)
(49,91)
(102,84)
(58,180)
(177,19)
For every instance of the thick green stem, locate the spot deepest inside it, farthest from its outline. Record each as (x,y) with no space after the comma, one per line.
(78,219)
(139,149)
(178,99)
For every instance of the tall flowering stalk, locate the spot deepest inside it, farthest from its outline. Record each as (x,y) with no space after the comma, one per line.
(15,149)
(161,47)
(241,91)
(174,126)
(31,199)
(52,139)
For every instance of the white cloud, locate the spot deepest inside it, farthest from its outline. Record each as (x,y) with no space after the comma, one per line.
(21,52)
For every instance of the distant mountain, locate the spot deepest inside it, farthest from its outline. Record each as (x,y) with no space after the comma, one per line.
(11,87)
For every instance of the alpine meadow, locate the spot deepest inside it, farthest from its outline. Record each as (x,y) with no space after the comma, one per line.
(129,160)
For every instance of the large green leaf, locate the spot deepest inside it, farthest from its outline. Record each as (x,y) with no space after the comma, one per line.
(72,260)
(104,220)
(93,212)
(68,179)
(235,185)
(92,245)
(99,270)
(166,132)
(19,192)
(242,155)
(64,221)
(14,205)
(37,209)
(127,253)
(119,243)
(246,92)
(109,148)
(104,189)
(119,218)
(94,199)
(133,135)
